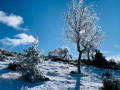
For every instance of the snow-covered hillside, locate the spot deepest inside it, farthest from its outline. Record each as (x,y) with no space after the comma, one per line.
(59,75)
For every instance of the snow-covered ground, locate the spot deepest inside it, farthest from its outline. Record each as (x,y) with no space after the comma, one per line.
(59,75)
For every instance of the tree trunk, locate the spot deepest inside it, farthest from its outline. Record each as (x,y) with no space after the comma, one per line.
(88,55)
(79,58)
(92,55)
(79,61)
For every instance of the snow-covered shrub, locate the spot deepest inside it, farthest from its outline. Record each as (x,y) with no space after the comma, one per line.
(60,52)
(29,61)
(2,55)
(111,84)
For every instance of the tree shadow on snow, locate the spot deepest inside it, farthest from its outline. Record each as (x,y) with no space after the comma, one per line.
(14,81)
(17,83)
(77,77)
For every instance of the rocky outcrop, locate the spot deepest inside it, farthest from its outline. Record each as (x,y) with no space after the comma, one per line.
(8,53)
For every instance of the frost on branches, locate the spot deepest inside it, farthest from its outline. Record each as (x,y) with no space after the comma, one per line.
(29,61)
(82,28)
(61,52)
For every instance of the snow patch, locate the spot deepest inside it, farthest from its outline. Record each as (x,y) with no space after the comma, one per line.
(11,75)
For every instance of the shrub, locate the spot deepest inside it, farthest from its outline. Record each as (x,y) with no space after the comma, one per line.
(99,58)
(111,84)
(100,61)
(14,66)
(108,73)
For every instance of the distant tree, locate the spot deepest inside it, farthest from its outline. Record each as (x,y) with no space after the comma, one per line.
(82,26)
(29,61)
(62,52)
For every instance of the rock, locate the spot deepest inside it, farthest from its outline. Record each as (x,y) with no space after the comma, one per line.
(74,72)
(47,79)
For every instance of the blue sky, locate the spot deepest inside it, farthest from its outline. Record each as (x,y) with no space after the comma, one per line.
(43,19)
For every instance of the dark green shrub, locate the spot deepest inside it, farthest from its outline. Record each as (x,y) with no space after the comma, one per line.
(99,58)
(100,61)
(14,66)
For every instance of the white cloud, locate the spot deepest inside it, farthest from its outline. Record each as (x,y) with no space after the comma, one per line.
(12,20)
(23,39)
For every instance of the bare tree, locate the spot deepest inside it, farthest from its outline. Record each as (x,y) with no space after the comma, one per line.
(81,21)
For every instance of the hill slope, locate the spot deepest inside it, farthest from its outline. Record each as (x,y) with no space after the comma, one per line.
(59,75)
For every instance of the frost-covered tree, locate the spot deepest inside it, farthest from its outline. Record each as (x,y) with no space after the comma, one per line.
(62,52)
(93,41)
(29,61)
(82,26)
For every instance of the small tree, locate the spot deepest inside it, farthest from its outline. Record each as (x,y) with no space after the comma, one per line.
(60,52)
(29,61)
(81,21)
